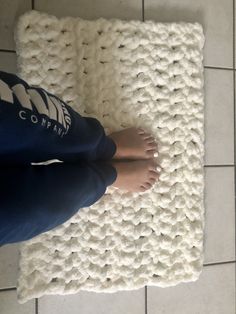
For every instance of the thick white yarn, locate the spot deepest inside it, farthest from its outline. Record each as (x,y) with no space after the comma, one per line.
(124,73)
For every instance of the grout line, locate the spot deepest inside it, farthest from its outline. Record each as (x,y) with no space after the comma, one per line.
(234,34)
(146,299)
(218,166)
(145,291)
(32,4)
(234,95)
(143,11)
(7,289)
(36,306)
(7,50)
(219,263)
(217,68)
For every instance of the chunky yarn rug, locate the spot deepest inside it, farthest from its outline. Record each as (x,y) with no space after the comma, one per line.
(124,73)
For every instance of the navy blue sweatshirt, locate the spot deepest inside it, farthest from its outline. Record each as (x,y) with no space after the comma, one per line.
(43,127)
(37,126)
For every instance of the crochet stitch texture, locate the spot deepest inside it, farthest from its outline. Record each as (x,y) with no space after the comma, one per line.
(124,73)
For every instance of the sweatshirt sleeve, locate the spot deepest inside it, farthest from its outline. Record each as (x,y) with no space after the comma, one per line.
(36,199)
(37,126)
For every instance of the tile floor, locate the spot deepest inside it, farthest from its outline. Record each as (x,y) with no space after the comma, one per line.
(214,292)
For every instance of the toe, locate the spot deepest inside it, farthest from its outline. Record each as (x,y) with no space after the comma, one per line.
(150,153)
(152,145)
(152,181)
(150,139)
(142,188)
(140,131)
(147,185)
(145,135)
(155,167)
(154,175)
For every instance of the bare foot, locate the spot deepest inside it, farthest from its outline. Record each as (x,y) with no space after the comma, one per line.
(135,176)
(133,143)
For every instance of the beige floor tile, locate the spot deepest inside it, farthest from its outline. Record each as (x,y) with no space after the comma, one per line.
(8,62)
(9,259)
(9,12)
(92,9)
(10,305)
(122,302)
(235,34)
(215,16)
(219,117)
(212,293)
(219,236)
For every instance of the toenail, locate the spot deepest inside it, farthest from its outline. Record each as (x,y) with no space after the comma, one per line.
(156,155)
(158,168)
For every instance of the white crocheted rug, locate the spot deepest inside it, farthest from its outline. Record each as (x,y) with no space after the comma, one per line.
(124,73)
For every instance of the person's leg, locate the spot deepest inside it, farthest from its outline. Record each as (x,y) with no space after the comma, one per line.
(36,199)
(36,126)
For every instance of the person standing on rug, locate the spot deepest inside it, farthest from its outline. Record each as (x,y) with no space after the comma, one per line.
(37,126)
